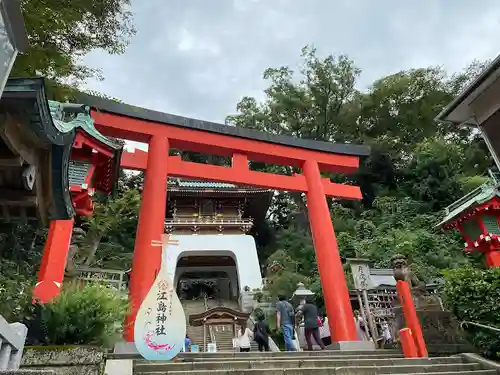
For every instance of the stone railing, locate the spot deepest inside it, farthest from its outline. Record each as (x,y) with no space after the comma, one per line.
(12,339)
(113,278)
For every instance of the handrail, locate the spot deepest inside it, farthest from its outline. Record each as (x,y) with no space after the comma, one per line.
(464,323)
(210,328)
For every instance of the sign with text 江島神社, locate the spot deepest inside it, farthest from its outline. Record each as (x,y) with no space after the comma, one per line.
(160,324)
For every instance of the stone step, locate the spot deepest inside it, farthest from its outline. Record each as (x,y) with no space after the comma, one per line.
(439,369)
(471,372)
(158,367)
(241,357)
(263,355)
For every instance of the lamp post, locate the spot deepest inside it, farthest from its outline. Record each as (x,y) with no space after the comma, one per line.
(12,37)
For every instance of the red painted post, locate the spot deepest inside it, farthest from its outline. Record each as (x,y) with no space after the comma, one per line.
(411,317)
(336,294)
(55,254)
(147,258)
(407,343)
(493,258)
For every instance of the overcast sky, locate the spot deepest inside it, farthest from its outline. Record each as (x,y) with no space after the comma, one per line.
(197,58)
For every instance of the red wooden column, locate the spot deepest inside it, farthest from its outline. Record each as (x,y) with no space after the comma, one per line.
(147,258)
(331,272)
(492,258)
(55,254)
(411,317)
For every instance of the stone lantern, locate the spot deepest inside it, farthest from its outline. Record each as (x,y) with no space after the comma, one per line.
(12,37)
(301,293)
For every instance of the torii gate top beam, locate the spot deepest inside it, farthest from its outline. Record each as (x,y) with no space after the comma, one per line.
(139,124)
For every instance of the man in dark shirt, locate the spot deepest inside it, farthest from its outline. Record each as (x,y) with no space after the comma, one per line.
(311,328)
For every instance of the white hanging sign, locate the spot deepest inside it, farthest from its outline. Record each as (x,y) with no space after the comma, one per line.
(160,324)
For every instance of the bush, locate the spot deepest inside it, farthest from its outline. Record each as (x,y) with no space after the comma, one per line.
(15,289)
(90,314)
(474,295)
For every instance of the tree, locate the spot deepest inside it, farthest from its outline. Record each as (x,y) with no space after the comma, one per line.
(111,218)
(417,167)
(60,33)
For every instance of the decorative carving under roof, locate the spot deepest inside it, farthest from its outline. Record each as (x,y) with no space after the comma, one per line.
(219,315)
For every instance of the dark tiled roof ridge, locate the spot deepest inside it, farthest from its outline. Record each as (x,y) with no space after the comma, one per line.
(112,106)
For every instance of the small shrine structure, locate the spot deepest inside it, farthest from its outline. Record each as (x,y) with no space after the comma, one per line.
(94,162)
(476,216)
(223,316)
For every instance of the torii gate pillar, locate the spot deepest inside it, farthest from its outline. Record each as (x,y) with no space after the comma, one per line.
(150,228)
(331,272)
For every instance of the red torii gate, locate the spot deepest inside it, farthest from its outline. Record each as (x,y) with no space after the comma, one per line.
(163,131)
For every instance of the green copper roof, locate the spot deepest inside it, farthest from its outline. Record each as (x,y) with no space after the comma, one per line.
(197,185)
(67,117)
(476,197)
(200,184)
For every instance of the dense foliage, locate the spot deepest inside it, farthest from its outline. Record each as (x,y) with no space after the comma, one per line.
(417,166)
(92,314)
(61,33)
(473,294)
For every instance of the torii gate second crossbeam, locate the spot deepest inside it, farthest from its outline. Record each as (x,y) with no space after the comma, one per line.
(163,131)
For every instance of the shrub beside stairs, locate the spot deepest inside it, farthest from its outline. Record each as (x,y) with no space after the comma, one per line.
(310,363)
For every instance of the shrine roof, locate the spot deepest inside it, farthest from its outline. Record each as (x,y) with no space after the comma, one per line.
(26,98)
(112,106)
(459,110)
(178,184)
(212,316)
(476,197)
(80,120)
(382,277)
(15,20)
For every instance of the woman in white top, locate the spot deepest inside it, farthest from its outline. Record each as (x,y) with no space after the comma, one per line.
(245,337)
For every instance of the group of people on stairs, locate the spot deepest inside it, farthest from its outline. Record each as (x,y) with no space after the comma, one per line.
(286,317)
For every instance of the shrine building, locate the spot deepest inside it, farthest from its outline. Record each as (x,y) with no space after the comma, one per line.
(212,224)
(477,216)
(52,162)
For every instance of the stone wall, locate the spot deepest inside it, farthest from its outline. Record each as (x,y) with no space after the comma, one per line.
(442,332)
(64,360)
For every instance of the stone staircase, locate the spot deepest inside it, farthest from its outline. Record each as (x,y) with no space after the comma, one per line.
(195,333)
(224,333)
(322,363)
(224,338)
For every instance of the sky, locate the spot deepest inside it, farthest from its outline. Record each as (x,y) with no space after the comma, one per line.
(198,58)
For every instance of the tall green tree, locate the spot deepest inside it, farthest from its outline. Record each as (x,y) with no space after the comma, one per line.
(61,33)
(417,166)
